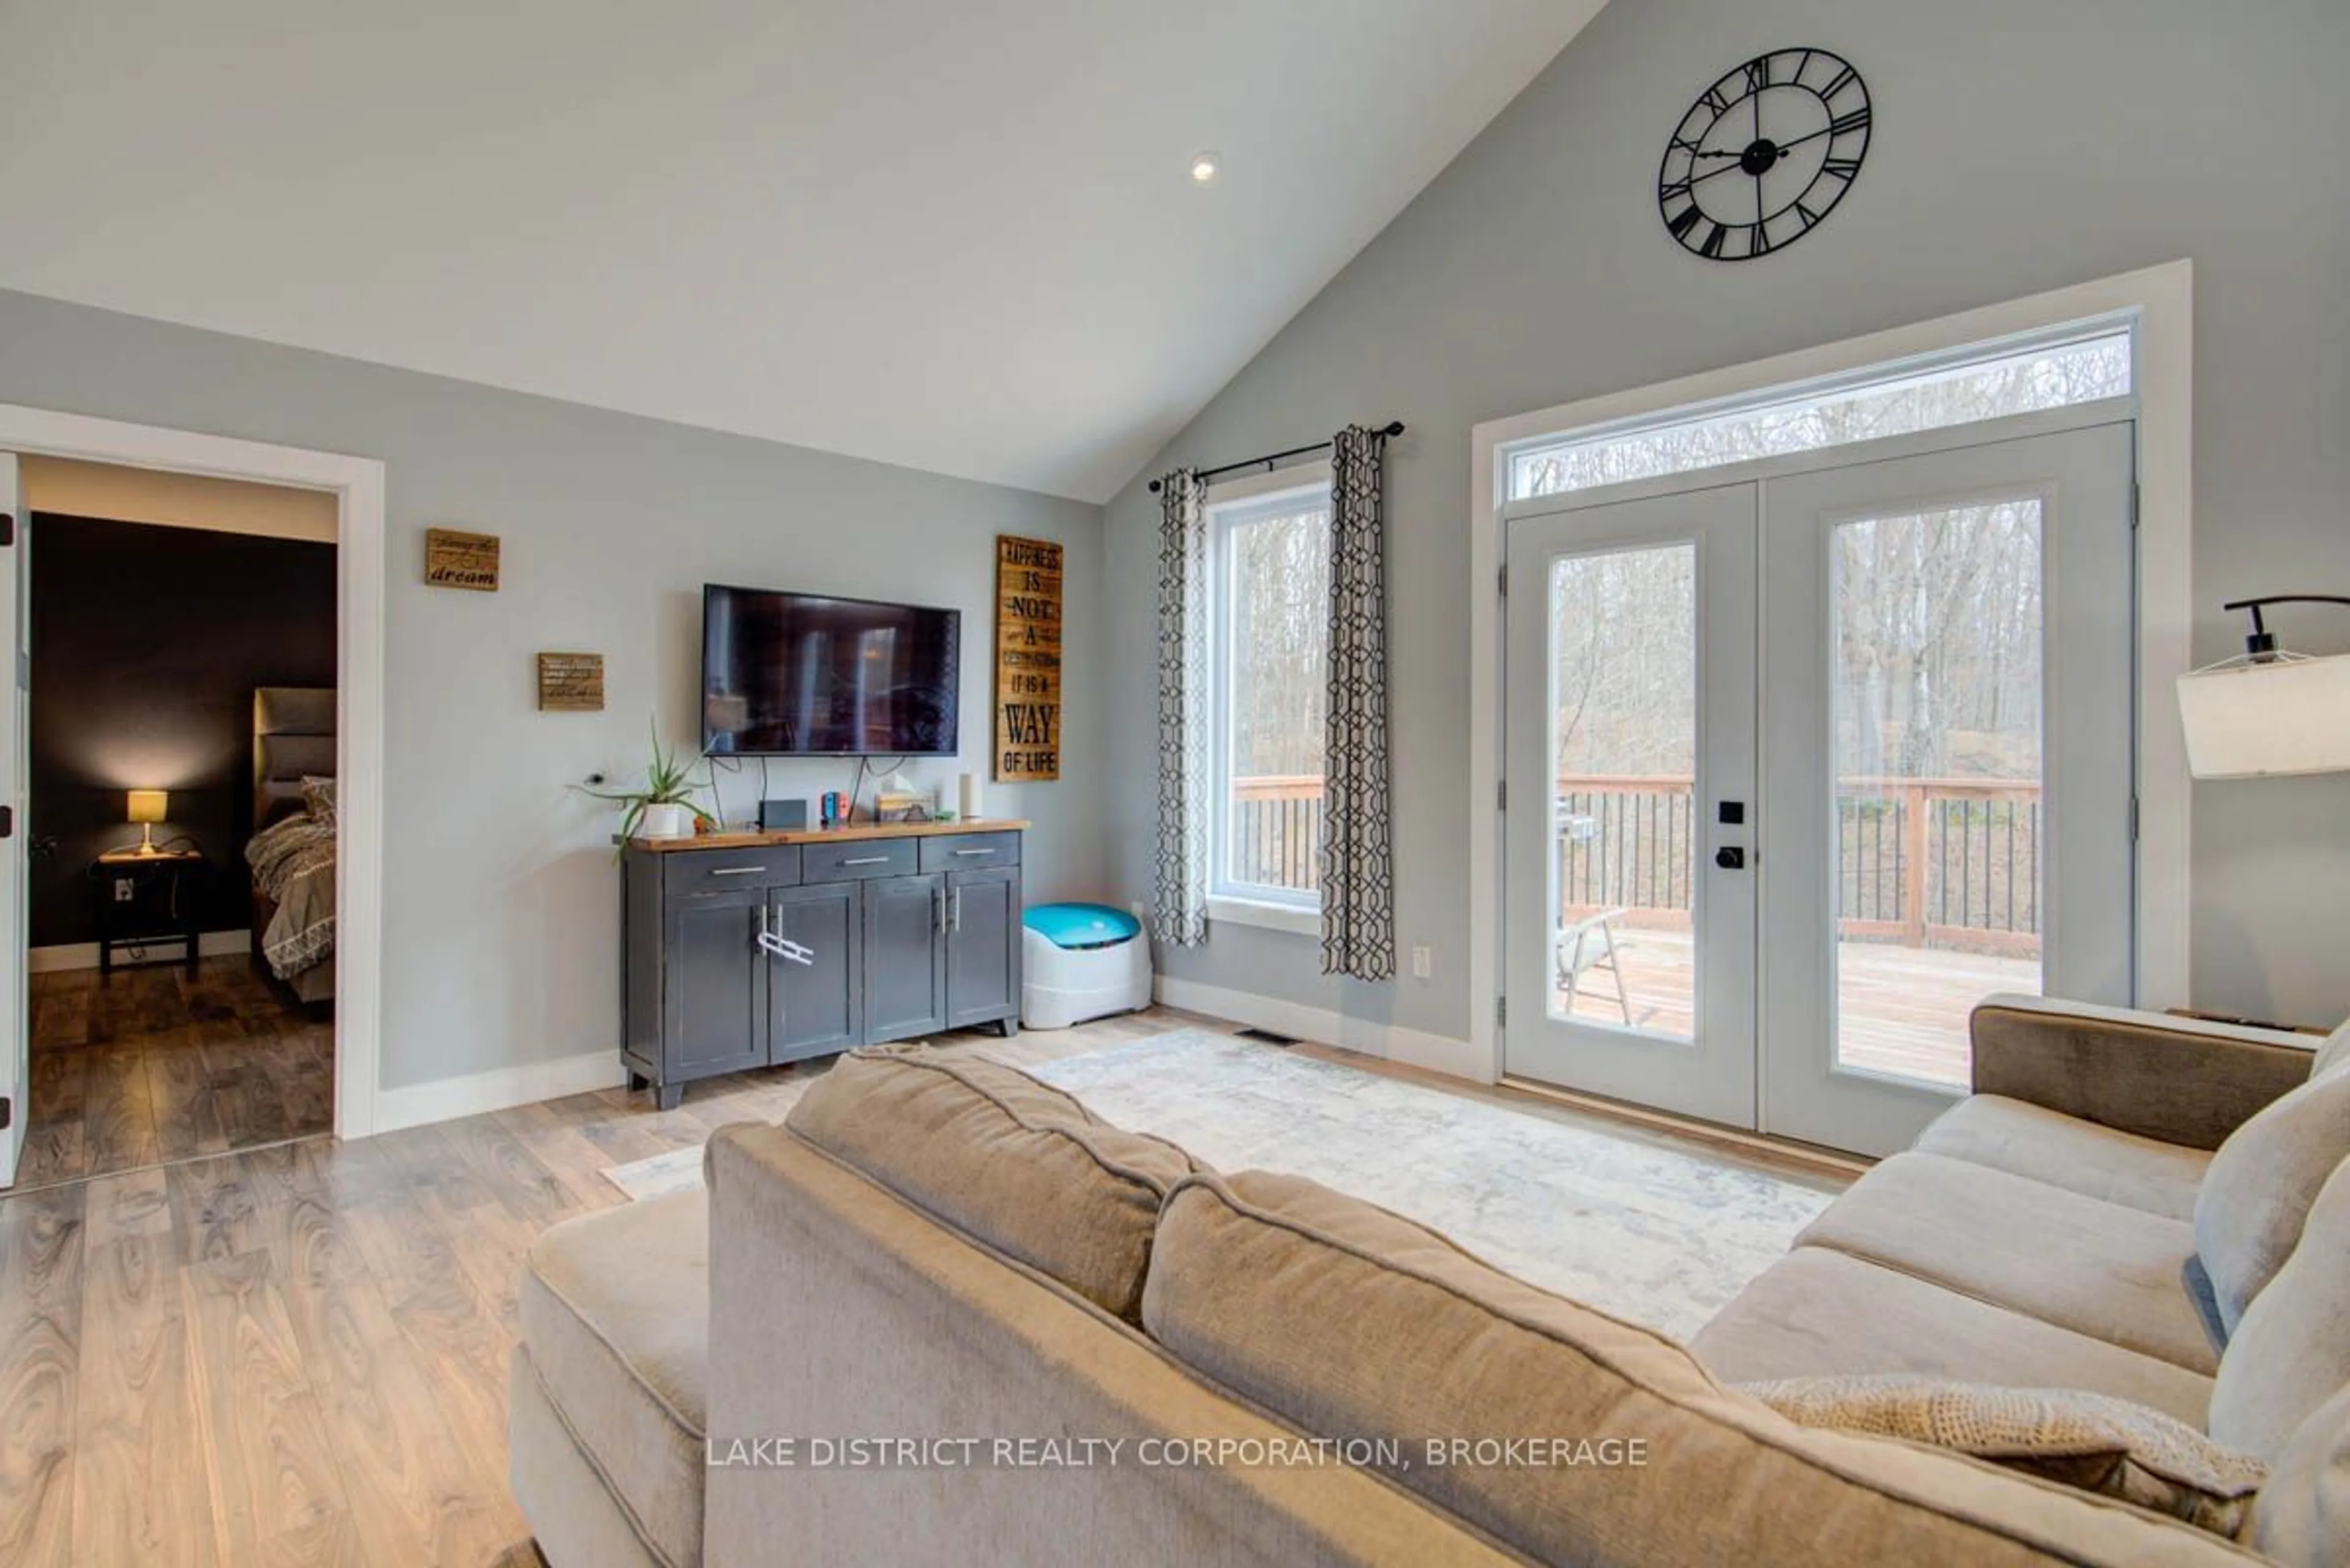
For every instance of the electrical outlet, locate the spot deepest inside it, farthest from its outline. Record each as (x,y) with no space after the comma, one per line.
(122,888)
(1423,962)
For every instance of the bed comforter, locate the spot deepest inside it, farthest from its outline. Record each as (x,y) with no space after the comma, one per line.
(293,866)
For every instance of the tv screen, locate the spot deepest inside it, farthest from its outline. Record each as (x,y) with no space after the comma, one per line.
(802,675)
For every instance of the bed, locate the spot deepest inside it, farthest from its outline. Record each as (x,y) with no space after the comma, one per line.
(292,851)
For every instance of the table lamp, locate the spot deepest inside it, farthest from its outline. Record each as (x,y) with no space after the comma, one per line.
(147,808)
(2268,713)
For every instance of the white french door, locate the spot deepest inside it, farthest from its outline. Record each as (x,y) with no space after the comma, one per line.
(15,1053)
(1630,733)
(1802,765)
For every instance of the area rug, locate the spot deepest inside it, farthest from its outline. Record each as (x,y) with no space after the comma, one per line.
(1648,1233)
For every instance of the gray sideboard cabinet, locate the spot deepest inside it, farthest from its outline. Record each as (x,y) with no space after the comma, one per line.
(742,950)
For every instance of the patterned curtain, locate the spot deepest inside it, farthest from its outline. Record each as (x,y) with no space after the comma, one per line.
(1181,893)
(1358,877)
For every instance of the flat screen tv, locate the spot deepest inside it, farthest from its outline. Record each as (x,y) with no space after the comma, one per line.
(789,675)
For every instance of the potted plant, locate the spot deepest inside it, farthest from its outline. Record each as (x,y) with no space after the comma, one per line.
(664,807)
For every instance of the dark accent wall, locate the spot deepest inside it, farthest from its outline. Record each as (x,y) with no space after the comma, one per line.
(147,643)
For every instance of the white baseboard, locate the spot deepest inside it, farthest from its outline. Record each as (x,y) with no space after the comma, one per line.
(445,1099)
(1412,1047)
(84,955)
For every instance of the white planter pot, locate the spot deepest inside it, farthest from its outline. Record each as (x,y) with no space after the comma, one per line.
(666,822)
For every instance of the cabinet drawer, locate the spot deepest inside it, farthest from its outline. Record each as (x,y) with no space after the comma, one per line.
(688,873)
(858,860)
(970,851)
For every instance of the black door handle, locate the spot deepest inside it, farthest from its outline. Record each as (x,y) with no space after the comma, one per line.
(1730,858)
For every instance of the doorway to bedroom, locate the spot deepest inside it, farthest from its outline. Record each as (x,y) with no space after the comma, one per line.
(182,635)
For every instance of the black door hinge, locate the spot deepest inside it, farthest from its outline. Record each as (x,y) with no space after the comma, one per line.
(7,1112)
(8,529)
(7,822)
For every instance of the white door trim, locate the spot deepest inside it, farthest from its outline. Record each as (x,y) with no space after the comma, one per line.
(357,483)
(2162,298)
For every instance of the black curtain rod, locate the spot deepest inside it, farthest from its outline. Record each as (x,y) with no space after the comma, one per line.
(1394,427)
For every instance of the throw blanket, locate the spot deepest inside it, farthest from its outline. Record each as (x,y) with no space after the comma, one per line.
(294,866)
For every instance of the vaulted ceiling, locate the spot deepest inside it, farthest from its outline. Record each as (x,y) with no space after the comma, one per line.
(961,237)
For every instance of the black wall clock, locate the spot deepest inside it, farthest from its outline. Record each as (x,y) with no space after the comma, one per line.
(1764,155)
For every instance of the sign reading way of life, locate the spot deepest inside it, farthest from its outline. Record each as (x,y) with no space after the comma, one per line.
(1028,660)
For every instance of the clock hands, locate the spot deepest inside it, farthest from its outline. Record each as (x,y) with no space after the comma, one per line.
(1737,168)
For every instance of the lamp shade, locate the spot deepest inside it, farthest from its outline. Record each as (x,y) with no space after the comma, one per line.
(2267,720)
(149,804)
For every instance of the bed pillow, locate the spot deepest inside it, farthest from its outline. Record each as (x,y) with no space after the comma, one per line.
(2092,1442)
(319,797)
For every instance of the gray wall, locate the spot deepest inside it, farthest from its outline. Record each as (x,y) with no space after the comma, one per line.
(500,904)
(2021,145)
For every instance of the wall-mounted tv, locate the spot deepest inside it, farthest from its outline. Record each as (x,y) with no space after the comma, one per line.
(806,675)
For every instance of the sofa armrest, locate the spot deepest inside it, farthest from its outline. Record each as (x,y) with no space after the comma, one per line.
(2182,1080)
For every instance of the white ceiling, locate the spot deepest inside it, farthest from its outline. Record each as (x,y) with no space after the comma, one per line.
(957,236)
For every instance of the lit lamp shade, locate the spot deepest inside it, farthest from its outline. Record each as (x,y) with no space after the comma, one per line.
(2267,720)
(149,804)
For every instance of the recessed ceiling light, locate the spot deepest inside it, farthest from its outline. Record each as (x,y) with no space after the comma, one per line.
(1206,166)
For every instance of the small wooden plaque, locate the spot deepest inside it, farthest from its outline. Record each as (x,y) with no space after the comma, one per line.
(1028,660)
(571,682)
(455,560)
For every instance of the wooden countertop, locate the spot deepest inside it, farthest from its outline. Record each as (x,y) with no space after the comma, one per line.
(754,839)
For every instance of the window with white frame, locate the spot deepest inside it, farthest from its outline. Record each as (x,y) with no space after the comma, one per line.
(2054,369)
(1269,568)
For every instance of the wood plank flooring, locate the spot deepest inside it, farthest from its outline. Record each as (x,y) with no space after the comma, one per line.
(298,1354)
(155,1063)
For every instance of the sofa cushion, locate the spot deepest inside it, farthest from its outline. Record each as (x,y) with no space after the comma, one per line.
(2333,1053)
(2292,1352)
(575,1518)
(1818,1312)
(2262,1180)
(2081,1156)
(2100,1269)
(2301,1518)
(2094,1442)
(615,1312)
(1017,1164)
(1351,1321)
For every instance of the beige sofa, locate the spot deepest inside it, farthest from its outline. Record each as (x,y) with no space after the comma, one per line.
(962,1264)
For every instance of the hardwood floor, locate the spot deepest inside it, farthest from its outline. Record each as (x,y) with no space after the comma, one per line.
(156,1063)
(298,1354)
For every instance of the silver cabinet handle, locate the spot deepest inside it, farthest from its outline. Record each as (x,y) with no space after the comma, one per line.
(736,870)
(957,924)
(938,910)
(868,860)
(971,851)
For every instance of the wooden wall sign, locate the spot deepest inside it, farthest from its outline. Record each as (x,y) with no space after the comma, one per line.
(1028,660)
(570,683)
(455,560)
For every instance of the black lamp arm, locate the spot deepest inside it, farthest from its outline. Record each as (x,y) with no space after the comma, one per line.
(2261,642)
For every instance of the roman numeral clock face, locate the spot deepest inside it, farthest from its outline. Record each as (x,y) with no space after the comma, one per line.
(1764,155)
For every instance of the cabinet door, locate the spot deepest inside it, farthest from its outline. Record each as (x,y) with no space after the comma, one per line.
(815,1004)
(905,957)
(716,988)
(982,946)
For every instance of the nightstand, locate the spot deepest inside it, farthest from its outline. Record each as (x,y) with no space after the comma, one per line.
(147,901)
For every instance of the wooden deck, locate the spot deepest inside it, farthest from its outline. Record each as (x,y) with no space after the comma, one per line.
(1902,1009)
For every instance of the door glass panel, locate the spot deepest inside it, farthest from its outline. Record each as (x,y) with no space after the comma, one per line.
(1938,680)
(1624,735)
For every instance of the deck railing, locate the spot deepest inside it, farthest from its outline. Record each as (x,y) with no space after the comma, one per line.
(1276,831)
(1939,862)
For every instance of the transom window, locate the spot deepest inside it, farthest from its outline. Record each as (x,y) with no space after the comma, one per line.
(1270,569)
(2079,365)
